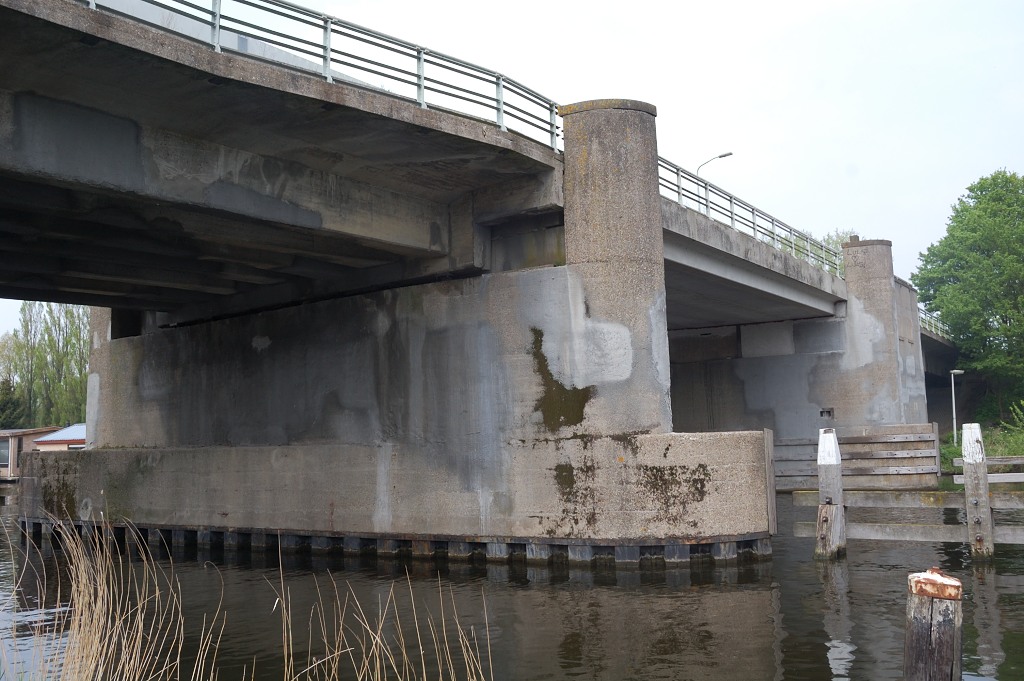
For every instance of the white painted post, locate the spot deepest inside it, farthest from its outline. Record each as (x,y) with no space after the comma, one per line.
(830,538)
(215,26)
(932,645)
(327,50)
(979,508)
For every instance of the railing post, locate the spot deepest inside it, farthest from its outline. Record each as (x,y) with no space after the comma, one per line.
(932,645)
(732,211)
(980,528)
(554,126)
(707,199)
(679,185)
(830,537)
(327,50)
(215,26)
(499,97)
(421,85)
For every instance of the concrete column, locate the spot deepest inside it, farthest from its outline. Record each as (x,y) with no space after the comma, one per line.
(99,359)
(613,241)
(883,364)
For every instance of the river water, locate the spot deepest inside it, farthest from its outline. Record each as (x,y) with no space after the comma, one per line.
(788,618)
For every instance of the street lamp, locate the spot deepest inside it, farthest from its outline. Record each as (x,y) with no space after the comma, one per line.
(953,373)
(728,153)
(707,189)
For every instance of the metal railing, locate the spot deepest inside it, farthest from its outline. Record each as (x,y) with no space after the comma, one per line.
(300,38)
(931,322)
(691,191)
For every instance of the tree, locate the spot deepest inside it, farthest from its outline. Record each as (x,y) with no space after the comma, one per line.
(44,365)
(973,278)
(835,240)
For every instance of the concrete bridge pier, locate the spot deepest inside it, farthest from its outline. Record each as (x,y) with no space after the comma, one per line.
(515,413)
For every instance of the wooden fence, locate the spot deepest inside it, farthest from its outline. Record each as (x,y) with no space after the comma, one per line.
(874,457)
(980,531)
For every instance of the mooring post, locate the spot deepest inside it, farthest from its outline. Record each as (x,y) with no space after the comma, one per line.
(831,532)
(980,529)
(932,646)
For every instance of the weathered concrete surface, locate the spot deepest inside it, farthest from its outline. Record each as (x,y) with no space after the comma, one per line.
(716,276)
(145,171)
(642,488)
(492,406)
(613,236)
(861,367)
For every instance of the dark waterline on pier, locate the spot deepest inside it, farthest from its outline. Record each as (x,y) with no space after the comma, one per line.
(788,618)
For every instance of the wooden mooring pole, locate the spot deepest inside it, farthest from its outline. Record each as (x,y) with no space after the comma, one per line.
(980,527)
(830,536)
(932,647)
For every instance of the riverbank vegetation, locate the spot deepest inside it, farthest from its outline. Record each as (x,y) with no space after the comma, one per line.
(972,279)
(115,612)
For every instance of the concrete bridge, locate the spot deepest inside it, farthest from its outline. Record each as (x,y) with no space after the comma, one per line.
(324,309)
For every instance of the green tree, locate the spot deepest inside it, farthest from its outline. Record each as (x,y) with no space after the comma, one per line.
(974,279)
(44,363)
(62,356)
(26,354)
(835,240)
(12,408)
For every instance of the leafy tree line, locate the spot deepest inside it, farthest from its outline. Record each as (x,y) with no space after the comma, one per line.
(44,366)
(974,279)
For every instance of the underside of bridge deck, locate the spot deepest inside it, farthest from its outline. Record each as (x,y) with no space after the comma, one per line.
(143,171)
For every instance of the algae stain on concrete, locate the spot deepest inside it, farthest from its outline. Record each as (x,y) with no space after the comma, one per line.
(673,488)
(558,405)
(58,489)
(577,490)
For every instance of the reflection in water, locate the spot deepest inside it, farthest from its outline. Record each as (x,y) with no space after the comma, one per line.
(791,618)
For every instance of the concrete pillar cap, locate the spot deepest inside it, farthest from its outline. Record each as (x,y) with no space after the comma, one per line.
(597,104)
(854,243)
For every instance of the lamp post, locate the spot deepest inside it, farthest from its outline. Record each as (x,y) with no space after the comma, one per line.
(728,153)
(953,373)
(707,191)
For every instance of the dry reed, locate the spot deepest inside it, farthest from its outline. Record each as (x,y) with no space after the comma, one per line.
(116,613)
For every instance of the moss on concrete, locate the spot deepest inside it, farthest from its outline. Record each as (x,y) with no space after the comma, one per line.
(558,405)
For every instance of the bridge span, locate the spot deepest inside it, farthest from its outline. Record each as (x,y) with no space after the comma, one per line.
(328,310)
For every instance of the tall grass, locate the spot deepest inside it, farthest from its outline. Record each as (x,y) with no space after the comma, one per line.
(116,613)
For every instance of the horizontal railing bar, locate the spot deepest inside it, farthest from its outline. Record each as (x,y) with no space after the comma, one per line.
(267,31)
(270,41)
(307,19)
(365,69)
(364,60)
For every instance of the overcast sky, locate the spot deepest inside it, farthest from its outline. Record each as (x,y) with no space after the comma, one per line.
(862,115)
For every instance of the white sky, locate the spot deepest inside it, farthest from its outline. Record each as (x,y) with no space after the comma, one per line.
(860,114)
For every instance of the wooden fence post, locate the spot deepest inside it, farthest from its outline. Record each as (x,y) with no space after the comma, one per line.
(932,646)
(980,528)
(830,536)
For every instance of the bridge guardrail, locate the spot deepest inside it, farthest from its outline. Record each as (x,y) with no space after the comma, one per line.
(931,322)
(689,190)
(319,43)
